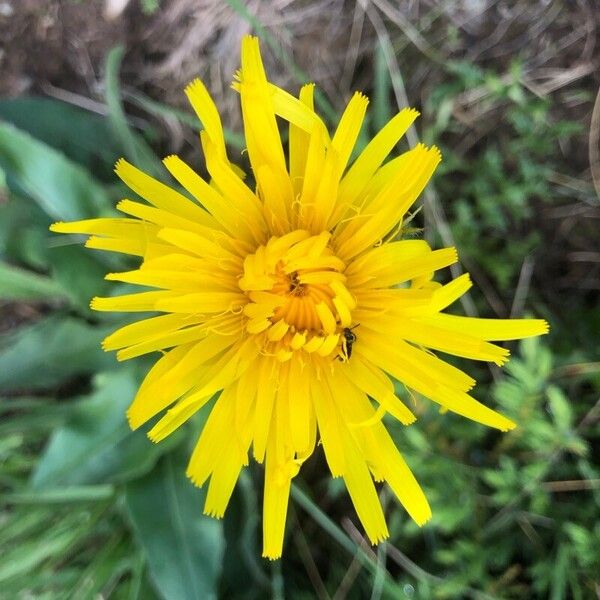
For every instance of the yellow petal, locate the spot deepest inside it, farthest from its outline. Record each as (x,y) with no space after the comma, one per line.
(212,444)
(374,154)
(207,112)
(299,140)
(160,195)
(329,424)
(362,491)
(377,385)
(492,329)
(348,128)
(265,397)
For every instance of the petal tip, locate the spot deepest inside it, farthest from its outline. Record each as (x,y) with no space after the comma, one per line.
(133,420)
(57,227)
(120,165)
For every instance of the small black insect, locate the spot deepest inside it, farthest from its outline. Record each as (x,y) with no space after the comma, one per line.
(348,340)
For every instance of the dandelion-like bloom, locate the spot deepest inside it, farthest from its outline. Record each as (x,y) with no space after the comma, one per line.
(294,301)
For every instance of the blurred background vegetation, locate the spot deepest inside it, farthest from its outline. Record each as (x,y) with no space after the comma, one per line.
(508,90)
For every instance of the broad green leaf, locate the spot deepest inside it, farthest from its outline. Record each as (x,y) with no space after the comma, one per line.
(96,445)
(20,284)
(84,137)
(80,272)
(23,232)
(62,495)
(183,547)
(241,562)
(48,352)
(64,190)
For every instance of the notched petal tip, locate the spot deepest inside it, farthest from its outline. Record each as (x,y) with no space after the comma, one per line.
(249,40)
(381,537)
(438,153)
(510,425)
(193,85)
(133,420)
(106,344)
(196,482)
(74,227)
(504,358)
(423,519)
(121,356)
(360,97)
(409,419)
(153,437)
(120,165)
(271,556)
(57,227)
(213,511)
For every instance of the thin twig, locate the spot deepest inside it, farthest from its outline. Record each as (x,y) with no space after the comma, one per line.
(353,46)
(308,561)
(594,144)
(522,287)
(352,572)
(571,485)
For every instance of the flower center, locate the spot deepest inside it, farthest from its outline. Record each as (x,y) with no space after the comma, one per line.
(297,295)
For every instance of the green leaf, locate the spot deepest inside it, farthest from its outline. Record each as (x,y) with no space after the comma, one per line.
(80,272)
(383,89)
(62,189)
(60,125)
(50,351)
(96,445)
(87,493)
(23,232)
(135,147)
(560,407)
(20,284)
(241,563)
(183,547)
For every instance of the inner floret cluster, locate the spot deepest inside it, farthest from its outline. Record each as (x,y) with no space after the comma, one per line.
(297,295)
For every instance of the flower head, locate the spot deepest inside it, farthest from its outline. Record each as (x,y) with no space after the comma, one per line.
(291,298)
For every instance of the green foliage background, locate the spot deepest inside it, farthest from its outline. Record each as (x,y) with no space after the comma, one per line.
(90,509)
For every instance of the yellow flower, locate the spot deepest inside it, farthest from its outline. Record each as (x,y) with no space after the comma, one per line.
(293,301)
